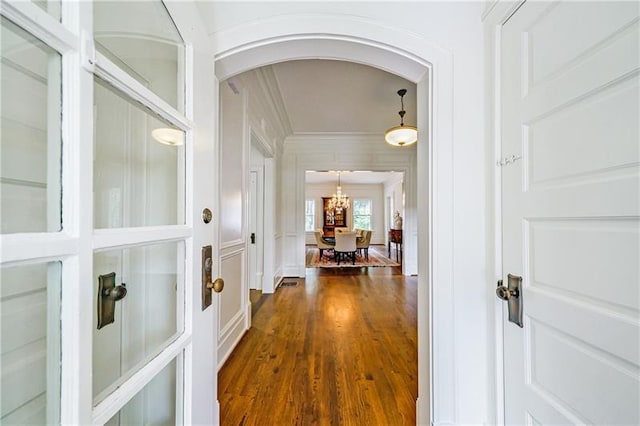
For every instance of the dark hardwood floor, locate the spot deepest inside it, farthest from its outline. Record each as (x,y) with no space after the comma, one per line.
(338,348)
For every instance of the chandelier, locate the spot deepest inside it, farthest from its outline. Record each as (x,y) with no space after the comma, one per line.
(339,201)
(401,135)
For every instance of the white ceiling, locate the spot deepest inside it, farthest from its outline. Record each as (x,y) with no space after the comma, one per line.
(352,177)
(326,96)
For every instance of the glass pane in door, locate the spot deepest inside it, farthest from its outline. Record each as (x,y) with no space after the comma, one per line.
(30,141)
(155,404)
(146,319)
(141,38)
(30,344)
(52,7)
(138,164)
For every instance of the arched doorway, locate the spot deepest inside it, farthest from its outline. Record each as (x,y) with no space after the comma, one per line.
(285,38)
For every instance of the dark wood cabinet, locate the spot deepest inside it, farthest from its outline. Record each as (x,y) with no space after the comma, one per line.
(395,237)
(331,218)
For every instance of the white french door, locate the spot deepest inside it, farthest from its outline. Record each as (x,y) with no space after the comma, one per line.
(570,75)
(98,189)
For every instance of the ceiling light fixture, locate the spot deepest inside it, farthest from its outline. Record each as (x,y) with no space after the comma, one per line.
(167,136)
(339,201)
(401,135)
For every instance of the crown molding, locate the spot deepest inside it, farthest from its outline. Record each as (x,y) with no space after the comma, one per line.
(268,83)
(345,136)
(366,142)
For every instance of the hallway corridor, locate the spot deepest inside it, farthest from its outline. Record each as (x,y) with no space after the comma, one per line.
(338,348)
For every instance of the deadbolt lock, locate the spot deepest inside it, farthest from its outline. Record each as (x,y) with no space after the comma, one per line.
(207,215)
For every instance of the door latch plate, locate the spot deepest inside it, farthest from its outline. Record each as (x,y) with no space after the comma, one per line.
(514,284)
(108,294)
(512,294)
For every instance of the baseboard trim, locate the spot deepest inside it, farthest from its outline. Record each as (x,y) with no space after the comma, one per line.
(279,282)
(233,332)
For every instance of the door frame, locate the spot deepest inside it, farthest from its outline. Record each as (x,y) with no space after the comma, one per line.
(256,206)
(368,43)
(265,192)
(494,17)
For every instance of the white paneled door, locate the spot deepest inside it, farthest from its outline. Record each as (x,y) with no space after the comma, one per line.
(100,267)
(570,209)
(254,281)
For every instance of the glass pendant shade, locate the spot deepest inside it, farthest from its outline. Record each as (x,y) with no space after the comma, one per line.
(401,135)
(167,136)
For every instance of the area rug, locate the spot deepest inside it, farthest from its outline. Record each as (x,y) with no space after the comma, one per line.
(376,258)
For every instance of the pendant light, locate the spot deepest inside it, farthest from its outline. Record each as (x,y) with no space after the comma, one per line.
(401,135)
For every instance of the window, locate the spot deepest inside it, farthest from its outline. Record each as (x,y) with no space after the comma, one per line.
(362,214)
(309,215)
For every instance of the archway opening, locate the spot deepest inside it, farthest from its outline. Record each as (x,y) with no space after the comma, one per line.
(430,68)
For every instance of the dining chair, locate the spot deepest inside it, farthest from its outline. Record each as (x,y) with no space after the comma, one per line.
(363,242)
(345,247)
(321,243)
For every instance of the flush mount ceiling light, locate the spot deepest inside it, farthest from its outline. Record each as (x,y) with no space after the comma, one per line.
(167,136)
(401,135)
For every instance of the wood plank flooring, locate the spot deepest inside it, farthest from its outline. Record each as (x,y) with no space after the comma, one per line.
(337,349)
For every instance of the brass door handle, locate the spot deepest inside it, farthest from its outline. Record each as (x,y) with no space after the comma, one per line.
(217,285)
(115,293)
(505,294)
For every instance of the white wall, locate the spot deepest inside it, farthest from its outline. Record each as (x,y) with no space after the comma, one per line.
(354,191)
(446,33)
(267,123)
(234,300)
(252,128)
(256,158)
